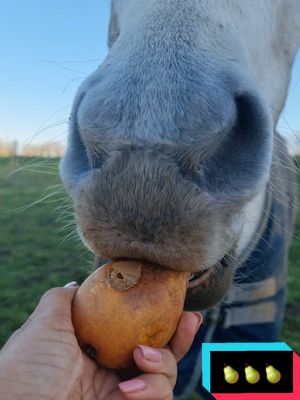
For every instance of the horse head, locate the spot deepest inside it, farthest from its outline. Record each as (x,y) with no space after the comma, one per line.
(171,138)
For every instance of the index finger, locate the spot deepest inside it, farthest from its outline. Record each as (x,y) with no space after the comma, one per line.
(187,328)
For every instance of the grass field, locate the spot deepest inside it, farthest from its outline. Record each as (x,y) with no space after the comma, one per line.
(39,250)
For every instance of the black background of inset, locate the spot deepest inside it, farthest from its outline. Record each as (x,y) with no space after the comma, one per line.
(281,360)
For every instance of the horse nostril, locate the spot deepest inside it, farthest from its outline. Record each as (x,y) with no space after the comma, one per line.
(95,150)
(240,164)
(251,116)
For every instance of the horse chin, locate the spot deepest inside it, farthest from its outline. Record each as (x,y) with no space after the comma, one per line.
(211,286)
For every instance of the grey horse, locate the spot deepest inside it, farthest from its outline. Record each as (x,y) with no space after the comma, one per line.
(173,156)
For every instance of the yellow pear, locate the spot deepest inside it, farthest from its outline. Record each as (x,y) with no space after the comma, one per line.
(252,376)
(273,375)
(231,375)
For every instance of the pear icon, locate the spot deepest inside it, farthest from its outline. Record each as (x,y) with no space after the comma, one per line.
(252,376)
(273,375)
(231,375)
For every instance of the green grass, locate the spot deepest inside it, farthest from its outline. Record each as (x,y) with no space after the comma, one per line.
(36,255)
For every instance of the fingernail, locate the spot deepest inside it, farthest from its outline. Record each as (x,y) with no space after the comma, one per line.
(199,319)
(132,386)
(71,284)
(150,354)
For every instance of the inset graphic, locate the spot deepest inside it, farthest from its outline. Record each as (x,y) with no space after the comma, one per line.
(234,370)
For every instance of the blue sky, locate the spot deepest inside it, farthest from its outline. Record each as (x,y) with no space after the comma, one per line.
(47,48)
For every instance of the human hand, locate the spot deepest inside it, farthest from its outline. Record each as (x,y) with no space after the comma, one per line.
(42,359)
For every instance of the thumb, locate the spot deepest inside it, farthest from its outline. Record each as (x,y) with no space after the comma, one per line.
(56,302)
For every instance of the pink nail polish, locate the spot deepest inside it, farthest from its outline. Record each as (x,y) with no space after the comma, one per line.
(132,386)
(150,354)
